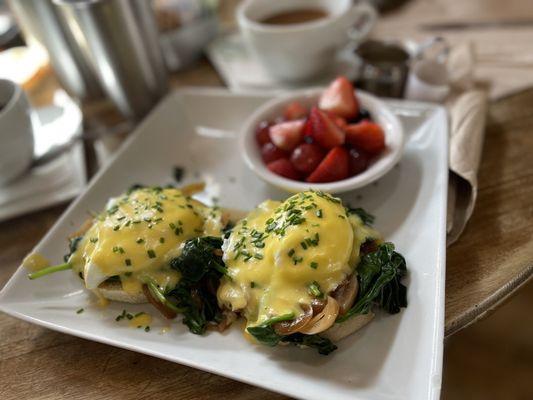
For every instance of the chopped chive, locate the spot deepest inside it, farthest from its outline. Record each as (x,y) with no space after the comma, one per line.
(79,311)
(128,262)
(290,253)
(139,240)
(161,240)
(314,265)
(49,270)
(151,253)
(147,329)
(93,240)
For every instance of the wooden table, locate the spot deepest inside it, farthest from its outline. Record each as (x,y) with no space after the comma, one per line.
(492,259)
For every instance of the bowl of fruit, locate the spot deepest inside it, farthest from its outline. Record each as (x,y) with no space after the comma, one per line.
(336,140)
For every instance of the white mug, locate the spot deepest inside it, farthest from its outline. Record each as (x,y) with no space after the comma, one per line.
(298,52)
(16,132)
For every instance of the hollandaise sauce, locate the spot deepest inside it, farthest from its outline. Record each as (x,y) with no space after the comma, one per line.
(285,254)
(137,235)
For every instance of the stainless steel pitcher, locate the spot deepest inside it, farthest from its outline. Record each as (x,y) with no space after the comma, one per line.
(120,39)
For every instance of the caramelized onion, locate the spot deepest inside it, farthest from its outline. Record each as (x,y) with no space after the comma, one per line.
(322,321)
(189,190)
(167,312)
(318,305)
(345,293)
(293,326)
(369,246)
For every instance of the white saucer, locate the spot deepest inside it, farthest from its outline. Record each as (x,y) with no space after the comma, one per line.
(58,180)
(242,73)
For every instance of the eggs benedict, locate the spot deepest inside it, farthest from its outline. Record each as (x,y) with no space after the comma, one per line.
(307,271)
(134,251)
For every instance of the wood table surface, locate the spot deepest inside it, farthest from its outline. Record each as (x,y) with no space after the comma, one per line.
(490,261)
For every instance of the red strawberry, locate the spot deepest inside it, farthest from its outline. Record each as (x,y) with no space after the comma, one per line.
(294,111)
(339,98)
(308,130)
(339,121)
(325,132)
(358,161)
(284,167)
(306,157)
(332,168)
(269,153)
(261,133)
(367,136)
(287,135)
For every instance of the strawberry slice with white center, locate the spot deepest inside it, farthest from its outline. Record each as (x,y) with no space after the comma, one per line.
(287,135)
(294,110)
(325,132)
(339,98)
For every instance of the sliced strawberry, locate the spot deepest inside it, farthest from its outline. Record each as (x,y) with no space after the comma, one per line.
(261,133)
(339,121)
(287,135)
(334,167)
(367,136)
(325,132)
(284,167)
(294,111)
(339,98)
(306,157)
(358,161)
(269,153)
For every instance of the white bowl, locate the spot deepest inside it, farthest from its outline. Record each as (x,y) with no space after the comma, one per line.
(394,139)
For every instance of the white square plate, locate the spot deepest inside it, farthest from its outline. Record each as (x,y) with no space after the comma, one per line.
(395,357)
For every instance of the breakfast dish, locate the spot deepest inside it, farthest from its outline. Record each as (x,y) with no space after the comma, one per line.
(333,140)
(292,269)
(308,271)
(150,244)
(394,356)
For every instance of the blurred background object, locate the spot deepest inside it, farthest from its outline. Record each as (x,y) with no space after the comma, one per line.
(8,28)
(185,28)
(44,29)
(384,66)
(120,40)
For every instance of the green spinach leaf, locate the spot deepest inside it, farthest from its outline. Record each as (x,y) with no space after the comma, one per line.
(266,335)
(379,274)
(367,218)
(201,267)
(323,345)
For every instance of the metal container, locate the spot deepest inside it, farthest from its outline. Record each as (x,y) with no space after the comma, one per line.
(42,25)
(120,38)
(384,67)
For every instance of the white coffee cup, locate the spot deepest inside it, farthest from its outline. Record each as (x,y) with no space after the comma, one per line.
(16,132)
(299,52)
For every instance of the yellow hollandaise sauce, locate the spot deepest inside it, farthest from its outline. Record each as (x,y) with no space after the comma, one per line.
(138,234)
(280,249)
